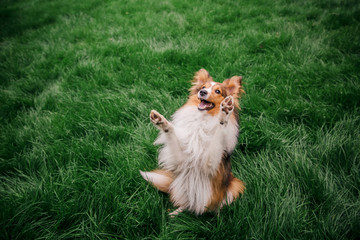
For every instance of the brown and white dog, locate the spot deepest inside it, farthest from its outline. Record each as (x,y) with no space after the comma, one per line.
(195,167)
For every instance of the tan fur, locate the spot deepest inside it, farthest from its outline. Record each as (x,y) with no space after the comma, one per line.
(234,88)
(236,187)
(164,185)
(222,183)
(200,78)
(218,189)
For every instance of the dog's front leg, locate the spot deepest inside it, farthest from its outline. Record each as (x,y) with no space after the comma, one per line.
(216,147)
(215,152)
(160,121)
(226,108)
(171,139)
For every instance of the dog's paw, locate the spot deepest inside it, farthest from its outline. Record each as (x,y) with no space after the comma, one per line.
(227,105)
(159,120)
(156,118)
(176,212)
(226,108)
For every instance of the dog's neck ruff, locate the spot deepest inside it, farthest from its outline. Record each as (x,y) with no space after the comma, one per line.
(202,146)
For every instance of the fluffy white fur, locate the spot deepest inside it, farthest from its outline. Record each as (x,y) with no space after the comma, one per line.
(193,144)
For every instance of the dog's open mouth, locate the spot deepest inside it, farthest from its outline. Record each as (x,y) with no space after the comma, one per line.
(205,105)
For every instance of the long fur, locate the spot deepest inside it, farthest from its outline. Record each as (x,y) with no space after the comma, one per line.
(194,160)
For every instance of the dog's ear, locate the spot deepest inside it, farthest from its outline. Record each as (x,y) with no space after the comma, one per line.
(234,86)
(200,78)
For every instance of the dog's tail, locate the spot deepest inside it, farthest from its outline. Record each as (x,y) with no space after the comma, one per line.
(161,179)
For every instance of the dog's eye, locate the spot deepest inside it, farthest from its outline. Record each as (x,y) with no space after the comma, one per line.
(217,91)
(203,87)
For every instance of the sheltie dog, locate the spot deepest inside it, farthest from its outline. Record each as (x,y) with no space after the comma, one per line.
(195,167)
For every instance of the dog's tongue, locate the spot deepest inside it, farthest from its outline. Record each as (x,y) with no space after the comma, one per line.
(204,105)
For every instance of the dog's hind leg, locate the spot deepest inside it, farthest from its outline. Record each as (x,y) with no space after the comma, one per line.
(236,187)
(161,179)
(176,212)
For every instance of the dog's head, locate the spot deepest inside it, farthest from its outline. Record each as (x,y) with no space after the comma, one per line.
(207,94)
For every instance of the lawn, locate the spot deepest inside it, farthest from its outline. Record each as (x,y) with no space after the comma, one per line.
(78,80)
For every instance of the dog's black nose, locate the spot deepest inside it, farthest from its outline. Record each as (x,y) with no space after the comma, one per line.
(203,93)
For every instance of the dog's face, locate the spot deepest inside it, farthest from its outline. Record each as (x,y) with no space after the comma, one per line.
(207,94)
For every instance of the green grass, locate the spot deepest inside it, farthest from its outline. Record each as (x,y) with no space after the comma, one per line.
(79,78)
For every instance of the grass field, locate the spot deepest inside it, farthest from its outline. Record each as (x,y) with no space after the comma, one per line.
(79,78)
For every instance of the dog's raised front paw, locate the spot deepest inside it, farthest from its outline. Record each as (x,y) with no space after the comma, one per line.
(226,108)
(227,105)
(159,120)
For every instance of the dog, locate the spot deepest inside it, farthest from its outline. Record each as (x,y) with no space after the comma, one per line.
(195,167)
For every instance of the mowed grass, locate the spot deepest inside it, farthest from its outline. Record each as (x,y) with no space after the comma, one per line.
(79,78)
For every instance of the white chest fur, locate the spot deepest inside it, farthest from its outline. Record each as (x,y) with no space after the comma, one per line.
(193,153)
